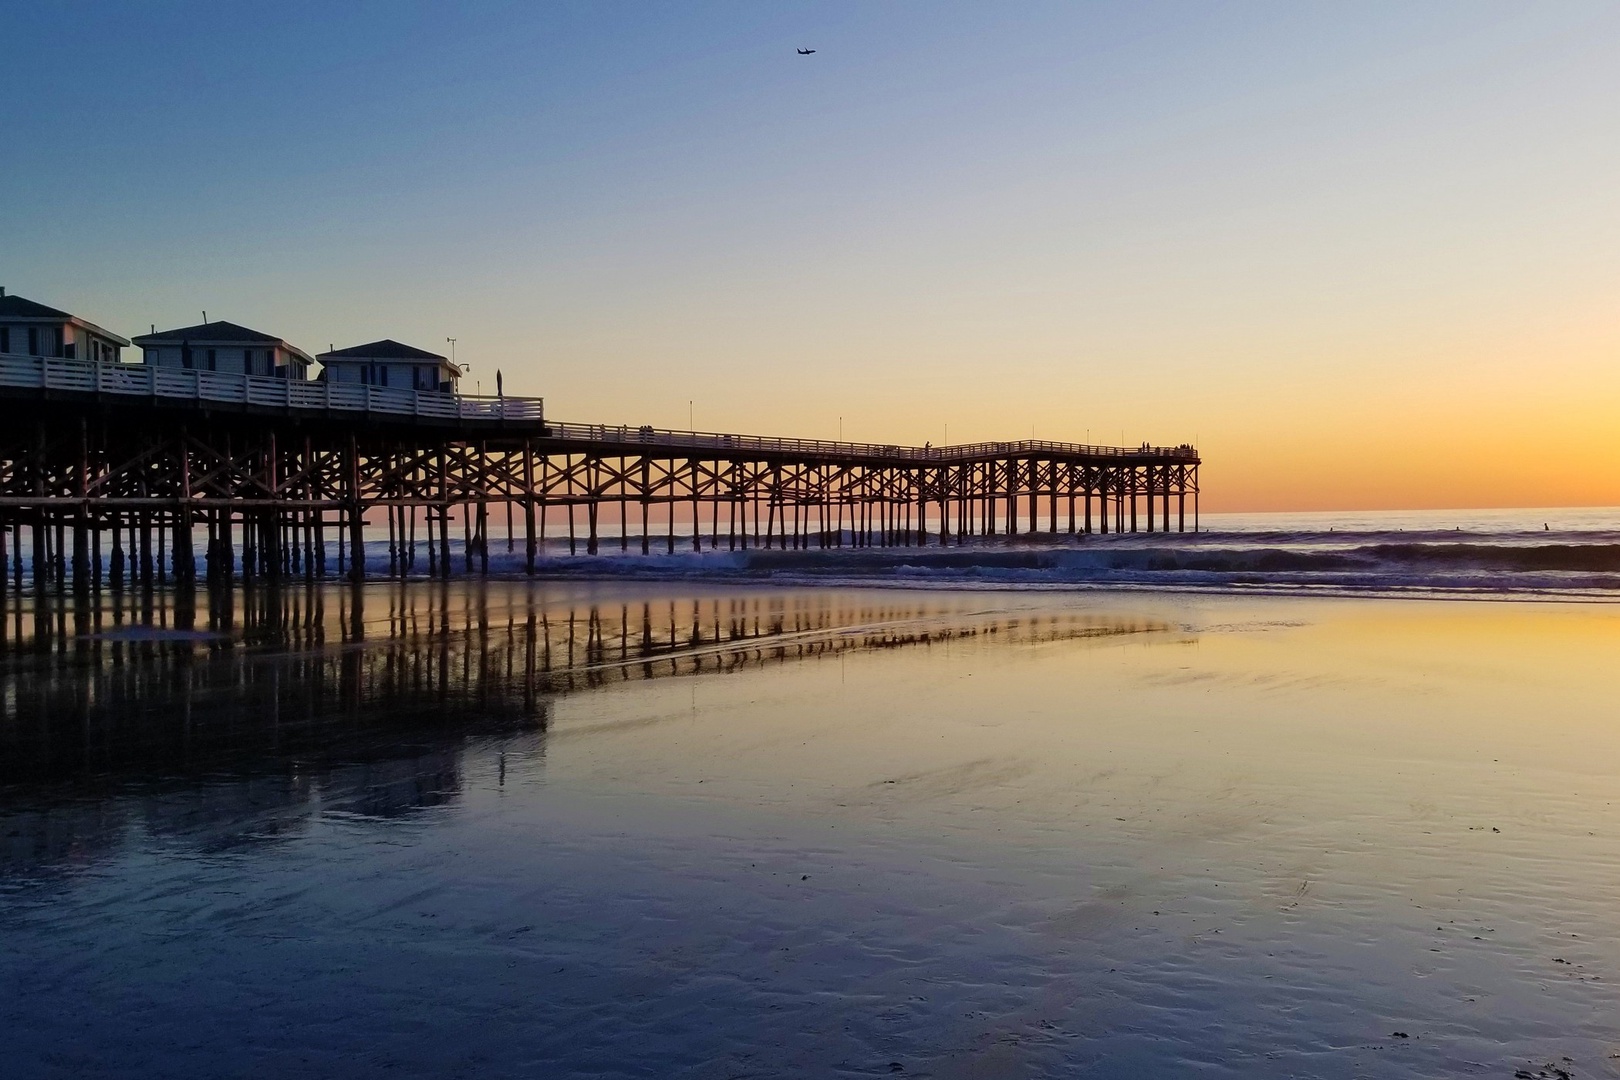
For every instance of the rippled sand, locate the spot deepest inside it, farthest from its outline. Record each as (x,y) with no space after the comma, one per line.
(707,832)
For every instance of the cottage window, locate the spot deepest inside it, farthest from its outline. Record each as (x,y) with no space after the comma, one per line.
(5,339)
(33,341)
(213,362)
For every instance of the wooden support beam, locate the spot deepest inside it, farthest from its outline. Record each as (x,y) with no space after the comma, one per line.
(151,483)
(357,531)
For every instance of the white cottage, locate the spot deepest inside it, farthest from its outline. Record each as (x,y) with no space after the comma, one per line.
(28,328)
(390,363)
(224,346)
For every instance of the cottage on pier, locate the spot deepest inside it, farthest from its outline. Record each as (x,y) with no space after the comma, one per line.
(390,363)
(225,346)
(28,328)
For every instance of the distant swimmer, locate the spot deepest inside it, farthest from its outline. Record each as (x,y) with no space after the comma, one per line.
(806,52)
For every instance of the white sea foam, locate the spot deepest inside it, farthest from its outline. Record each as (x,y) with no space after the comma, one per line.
(1497,553)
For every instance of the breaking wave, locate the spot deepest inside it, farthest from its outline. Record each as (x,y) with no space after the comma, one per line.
(1507,558)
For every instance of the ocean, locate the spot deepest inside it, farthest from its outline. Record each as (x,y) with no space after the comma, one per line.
(1553,553)
(1265,800)
(1556,553)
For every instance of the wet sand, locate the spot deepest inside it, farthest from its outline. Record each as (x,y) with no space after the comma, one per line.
(696,831)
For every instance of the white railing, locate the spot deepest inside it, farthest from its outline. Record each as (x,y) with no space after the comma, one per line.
(140,380)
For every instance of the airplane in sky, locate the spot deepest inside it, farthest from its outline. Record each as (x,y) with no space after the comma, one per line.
(806,52)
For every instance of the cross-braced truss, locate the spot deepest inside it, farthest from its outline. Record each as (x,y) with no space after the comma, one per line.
(268,495)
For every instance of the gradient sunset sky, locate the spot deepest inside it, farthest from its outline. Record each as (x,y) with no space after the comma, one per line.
(1366,255)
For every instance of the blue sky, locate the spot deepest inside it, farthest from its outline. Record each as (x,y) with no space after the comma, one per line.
(1154,221)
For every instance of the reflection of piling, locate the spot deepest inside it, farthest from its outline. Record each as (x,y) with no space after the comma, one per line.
(114,675)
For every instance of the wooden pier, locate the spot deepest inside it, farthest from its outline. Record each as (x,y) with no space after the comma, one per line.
(133,472)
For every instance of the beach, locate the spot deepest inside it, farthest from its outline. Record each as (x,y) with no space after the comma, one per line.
(689,829)
(745,541)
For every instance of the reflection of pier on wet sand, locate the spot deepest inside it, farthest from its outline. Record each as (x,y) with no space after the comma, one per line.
(250,679)
(243,716)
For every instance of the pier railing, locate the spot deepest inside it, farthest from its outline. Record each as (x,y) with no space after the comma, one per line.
(764,444)
(224,388)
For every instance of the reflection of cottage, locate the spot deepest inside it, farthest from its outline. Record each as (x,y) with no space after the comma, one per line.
(30,329)
(224,346)
(390,363)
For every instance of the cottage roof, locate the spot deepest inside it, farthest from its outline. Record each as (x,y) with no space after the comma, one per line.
(218,332)
(386,349)
(18,307)
(15,307)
